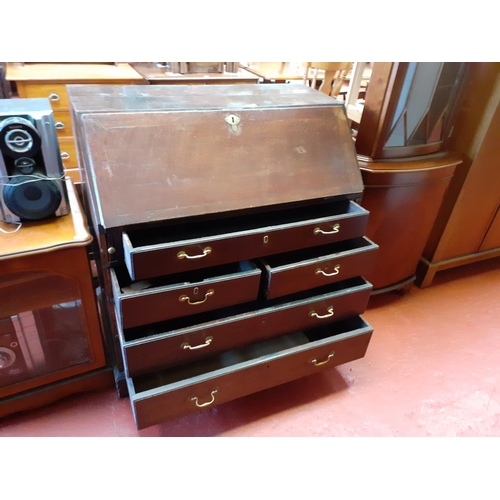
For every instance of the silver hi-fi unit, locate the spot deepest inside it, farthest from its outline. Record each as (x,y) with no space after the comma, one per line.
(32,183)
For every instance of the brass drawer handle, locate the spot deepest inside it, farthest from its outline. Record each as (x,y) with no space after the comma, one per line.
(54,97)
(195,399)
(335,229)
(183,255)
(59,125)
(65,156)
(186,345)
(336,270)
(185,298)
(314,361)
(316,315)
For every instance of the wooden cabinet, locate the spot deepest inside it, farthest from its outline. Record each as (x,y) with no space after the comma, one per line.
(409,112)
(49,81)
(468,227)
(50,335)
(232,247)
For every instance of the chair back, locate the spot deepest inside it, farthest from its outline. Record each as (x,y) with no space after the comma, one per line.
(334,72)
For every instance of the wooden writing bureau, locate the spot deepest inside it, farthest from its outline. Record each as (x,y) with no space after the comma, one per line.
(231,246)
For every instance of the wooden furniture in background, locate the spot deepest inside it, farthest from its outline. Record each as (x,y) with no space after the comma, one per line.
(409,111)
(403,198)
(333,76)
(233,262)
(156,74)
(199,67)
(5,91)
(468,226)
(356,91)
(45,280)
(280,72)
(49,80)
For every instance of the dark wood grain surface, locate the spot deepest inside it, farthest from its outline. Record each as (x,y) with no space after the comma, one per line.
(172,164)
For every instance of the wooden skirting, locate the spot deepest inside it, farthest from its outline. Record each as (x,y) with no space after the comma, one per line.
(426,270)
(29,400)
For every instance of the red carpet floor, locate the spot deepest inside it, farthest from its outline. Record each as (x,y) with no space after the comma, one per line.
(432,369)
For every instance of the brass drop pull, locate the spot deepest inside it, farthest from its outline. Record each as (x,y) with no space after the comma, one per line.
(59,125)
(195,399)
(183,255)
(185,298)
(54,97)
(314,361)
(335,229)
(336,270)
(186,345)
(316,315)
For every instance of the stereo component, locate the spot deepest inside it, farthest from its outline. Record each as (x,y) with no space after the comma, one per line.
(32,183)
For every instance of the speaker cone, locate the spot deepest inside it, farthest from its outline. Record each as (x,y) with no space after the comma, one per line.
(32,197)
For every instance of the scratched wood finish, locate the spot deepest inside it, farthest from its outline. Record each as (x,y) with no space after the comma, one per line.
(172,164)
(169,175)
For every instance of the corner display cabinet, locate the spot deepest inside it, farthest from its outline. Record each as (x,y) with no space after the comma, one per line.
(232,249)
(408,115)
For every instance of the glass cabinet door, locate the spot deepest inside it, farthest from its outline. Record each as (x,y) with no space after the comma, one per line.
(42,327)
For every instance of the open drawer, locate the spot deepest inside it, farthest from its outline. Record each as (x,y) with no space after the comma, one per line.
(304,269)
(233,374)
(152,347)
(158,299)
(184,247)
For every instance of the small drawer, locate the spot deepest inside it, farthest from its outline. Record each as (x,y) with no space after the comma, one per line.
(291,272)
(157,251)
(142,302)
(149,348)
(63,124)
(233,374)
(68,153)
(55,93)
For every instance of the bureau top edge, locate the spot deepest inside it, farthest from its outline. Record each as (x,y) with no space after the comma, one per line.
(123,98)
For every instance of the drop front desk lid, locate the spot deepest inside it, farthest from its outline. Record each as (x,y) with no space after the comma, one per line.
(155,153)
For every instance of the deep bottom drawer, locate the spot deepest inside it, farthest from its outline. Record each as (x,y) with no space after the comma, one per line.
(233,374)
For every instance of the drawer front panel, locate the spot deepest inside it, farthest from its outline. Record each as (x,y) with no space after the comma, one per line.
(68,153)
(192,343)
(153,260)
(329,268)
(168,302)
(63,124)
(55,93)
(266,366)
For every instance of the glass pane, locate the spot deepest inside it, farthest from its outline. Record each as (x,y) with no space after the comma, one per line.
(441,99)
(422,91)
(405,90)
(42,327)
(397,137)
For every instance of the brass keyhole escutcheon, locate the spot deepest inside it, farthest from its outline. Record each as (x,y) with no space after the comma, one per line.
(234,121)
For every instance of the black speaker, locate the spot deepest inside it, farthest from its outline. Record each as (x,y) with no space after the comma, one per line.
(32,183)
